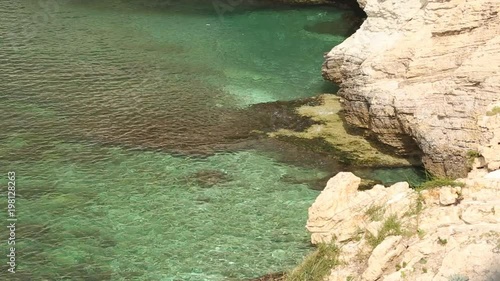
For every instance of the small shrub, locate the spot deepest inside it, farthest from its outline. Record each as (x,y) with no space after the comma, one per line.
(417,208)
(471,154)
(442,241)
(494,111)
(401,266)
(391,226)
(359,234)
(375,213)
(496,250)
(317,265)
(421,233)
(458,277)
(439,182)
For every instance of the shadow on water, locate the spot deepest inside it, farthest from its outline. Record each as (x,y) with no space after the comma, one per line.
(214,6)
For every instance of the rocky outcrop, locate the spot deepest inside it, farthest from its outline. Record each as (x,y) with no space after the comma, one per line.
(337,212)
(396,233)
(425,72)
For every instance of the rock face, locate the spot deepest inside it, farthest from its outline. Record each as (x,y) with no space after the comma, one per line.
(339,211)
(425,75)
(334,199)
(394,233)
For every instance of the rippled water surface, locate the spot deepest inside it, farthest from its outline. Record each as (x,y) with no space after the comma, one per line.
(130,128)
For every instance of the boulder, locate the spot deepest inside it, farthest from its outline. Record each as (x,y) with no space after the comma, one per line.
(331,209)
(341,210)
(381,256)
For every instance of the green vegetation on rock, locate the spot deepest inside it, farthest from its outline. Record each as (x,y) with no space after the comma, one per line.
(439,182)
(317,265)
(494,111)
(392,226)
(458,277)
(375,212)
(471,156)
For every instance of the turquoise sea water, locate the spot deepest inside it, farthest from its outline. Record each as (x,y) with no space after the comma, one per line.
(128,127)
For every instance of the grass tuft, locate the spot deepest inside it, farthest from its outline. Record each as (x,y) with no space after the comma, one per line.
(375,212)
(439,182)
(442,241)
(392,226)
(458,277)
(471,154)
(317,265)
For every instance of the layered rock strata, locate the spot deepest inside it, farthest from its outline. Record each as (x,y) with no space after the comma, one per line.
(425,72)
(396,233)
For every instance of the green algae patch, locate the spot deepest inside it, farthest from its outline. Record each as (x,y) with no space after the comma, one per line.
(329,127)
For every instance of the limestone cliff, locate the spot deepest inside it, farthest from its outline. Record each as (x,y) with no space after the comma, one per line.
(396,233)
(425,73)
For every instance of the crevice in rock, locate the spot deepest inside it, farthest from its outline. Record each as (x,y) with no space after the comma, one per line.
(453,32)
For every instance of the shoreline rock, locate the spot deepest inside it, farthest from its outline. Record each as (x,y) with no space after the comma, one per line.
(426,71)
(397,233)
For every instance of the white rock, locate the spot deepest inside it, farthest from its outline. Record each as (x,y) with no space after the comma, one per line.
(331,210)
(396,276)
(462,238)
(339,275)
(480,213)
(425,70)
(381,255)
(340,210)
(493,175)
(429,276)
(374,227)
(447,196)
(477,261)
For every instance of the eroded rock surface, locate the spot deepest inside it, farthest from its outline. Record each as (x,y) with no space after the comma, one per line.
(396,233)
(428,71)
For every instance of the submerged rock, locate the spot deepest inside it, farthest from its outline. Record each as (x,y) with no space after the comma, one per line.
(329,133)
(210,178)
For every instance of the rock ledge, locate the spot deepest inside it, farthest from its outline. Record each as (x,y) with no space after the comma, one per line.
(425,72)
(396,233)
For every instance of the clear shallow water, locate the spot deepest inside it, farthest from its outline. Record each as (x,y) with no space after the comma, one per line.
(129,132)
